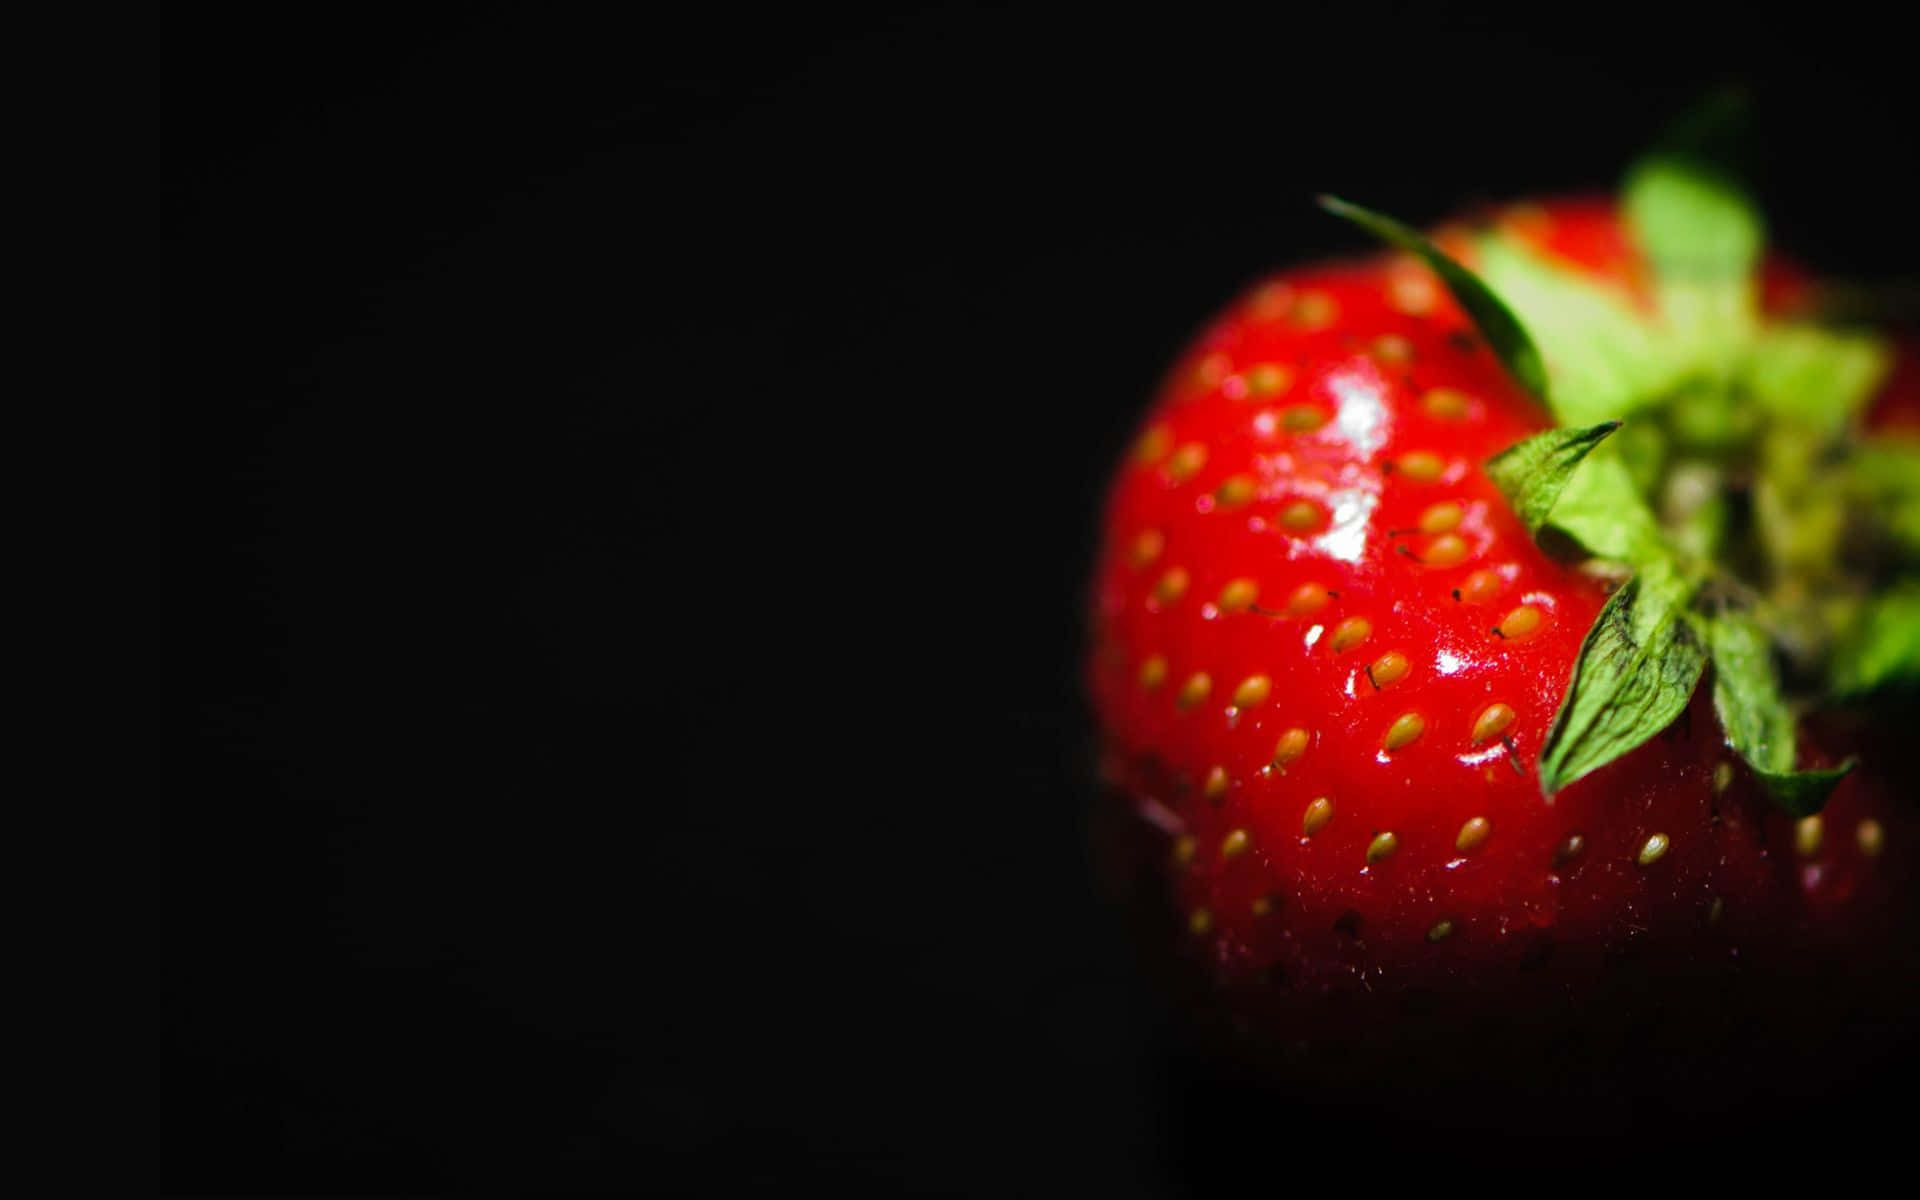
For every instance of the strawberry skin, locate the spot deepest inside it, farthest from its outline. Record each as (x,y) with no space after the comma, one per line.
(1326,653)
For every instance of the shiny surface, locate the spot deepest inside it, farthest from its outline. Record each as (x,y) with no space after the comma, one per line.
(1412,670)
(1409,518)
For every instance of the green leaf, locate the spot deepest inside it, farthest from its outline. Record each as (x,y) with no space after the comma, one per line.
(1885,477)
(1692,220)
(1758,723)
(1803,793)
(1704,240)
(1636,671)
(1799,513)
(1746,692)
(1604,357)
(1600,508)
(1495,320)
(1883,648)
(1709,417)
(1817,378)
(1532,473)
(1643,447)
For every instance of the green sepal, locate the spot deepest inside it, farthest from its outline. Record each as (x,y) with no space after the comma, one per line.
(1746,692)
(1636,672)
(1685,199)
(1692,220)
(1818,379)
(1687,209)
(1884,475)
(1605,358)
(1710,417)
(1503,331)
(1600,507)
(1755,716)
(1803,793)
(1883,648)
(1531,474)
(1703,239)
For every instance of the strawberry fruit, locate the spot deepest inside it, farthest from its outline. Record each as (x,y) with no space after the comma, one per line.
(1467,634)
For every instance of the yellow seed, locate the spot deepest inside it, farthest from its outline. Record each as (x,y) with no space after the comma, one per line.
(1216,785)
(1445,551)
(1153,445)
(1350,633)
(1441,931)
(1569,850)
(1722,776)
(1212,369)
(1392,348)
(1714,910)
(1412,291)
(1388,668)
(1521,622)
(1262,906)
(1200,922)
(1172,585)
(1873,838)
(1404,731)
(1302,418)
(1292,744)
(1235,844)
(1307,599)
(1652,849)
(1235,491)
(1153,672)
(1473,835)
(1253,691)
(1194,690)
(1480,587)
(1808,833)
(1315,310)
(1382,846)
(1238,594)
(1447,404)
(1422,466)
(1271,301)
(1300,516)
(1147,545)
(1268,379)
(1184,848)
(1317,815)
(1186,462)
(1443,517)
(1491,723)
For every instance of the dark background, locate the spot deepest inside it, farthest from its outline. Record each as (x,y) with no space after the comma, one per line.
(628,482)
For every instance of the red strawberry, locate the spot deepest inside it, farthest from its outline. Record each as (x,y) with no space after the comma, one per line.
(1328,655)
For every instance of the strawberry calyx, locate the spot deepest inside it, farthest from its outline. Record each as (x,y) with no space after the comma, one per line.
(1712,456)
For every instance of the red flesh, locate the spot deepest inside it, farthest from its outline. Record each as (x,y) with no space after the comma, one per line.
(1526,920)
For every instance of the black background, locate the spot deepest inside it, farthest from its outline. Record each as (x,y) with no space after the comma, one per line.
(630,482)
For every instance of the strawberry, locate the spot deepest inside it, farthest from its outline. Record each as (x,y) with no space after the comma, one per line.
(1455,629)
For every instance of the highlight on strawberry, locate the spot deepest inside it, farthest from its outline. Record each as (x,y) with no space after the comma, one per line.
(1502,646)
